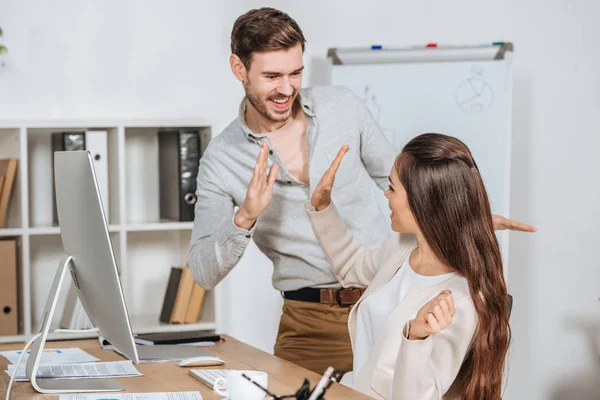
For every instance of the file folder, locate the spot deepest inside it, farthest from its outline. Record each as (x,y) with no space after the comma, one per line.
(9,298)
(64,141)
(96,143)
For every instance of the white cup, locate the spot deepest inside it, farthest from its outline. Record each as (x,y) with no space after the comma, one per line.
(240,388)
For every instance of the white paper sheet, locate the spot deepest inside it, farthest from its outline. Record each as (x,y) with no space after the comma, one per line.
(134,396)
(53,356)
(77,371)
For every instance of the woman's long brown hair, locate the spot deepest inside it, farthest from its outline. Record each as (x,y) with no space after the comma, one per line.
(447,196)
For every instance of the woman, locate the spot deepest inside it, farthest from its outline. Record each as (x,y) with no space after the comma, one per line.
(433,321)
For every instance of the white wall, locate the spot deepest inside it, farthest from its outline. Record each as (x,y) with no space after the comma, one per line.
(82,59)
(150,58)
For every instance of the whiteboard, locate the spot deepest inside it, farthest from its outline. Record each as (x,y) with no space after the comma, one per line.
(470,100)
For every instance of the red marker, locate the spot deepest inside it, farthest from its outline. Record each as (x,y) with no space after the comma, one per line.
(431,45)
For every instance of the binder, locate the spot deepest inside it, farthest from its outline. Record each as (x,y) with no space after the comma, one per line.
(9,293)
(179,158)
(96,143)
(177,337)
(205,137)
(64,141)
(8,170)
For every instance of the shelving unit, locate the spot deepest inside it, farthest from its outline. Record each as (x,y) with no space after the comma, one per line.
(145,247)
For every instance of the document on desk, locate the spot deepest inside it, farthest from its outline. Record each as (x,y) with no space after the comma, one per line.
(135,396)
(112,369)
(53,356)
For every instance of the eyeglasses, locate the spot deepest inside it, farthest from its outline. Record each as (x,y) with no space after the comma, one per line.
(304,392)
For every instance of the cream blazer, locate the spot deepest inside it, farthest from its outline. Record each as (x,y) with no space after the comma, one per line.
(398,368)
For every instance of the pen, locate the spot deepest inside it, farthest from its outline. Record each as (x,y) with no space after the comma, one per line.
(319,388)
(334,378)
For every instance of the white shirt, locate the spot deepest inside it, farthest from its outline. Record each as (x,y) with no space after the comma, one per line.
(374,311)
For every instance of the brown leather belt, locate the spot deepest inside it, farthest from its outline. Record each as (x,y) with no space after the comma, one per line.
(342,297)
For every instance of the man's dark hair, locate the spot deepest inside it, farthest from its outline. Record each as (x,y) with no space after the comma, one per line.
(264,29)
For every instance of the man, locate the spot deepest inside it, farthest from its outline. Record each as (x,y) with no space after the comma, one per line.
(296,134)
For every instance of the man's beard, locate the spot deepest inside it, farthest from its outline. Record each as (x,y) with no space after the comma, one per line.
(263,109)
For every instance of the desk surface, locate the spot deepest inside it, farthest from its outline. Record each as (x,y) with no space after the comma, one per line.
(284,377)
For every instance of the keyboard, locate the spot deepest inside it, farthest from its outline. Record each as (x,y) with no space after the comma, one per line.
(208,376)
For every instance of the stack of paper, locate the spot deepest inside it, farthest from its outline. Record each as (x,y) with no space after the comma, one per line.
(77,371)
(135,396)
(53,356)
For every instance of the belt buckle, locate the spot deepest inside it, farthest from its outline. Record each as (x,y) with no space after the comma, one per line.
(338,298)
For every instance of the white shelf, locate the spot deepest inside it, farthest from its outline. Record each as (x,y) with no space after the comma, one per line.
(11,232)
(44,230)
(71,336)
(129,123)
(160,226)
(145,247)
(55,230)
(14,339)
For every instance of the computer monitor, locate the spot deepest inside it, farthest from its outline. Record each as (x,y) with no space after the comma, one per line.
(90,260)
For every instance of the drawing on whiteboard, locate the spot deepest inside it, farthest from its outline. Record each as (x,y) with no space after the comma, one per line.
(372,104)
(474,94)
(376,109)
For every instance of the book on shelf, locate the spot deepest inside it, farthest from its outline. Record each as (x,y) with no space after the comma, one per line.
(183,299)
(195,304)
(8,173)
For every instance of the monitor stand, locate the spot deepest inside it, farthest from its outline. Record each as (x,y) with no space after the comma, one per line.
(33,362)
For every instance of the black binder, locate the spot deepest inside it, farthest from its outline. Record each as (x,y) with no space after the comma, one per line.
(177,337)
(64,141)
(179,152)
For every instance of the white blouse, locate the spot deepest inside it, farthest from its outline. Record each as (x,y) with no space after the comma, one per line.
(374,311)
